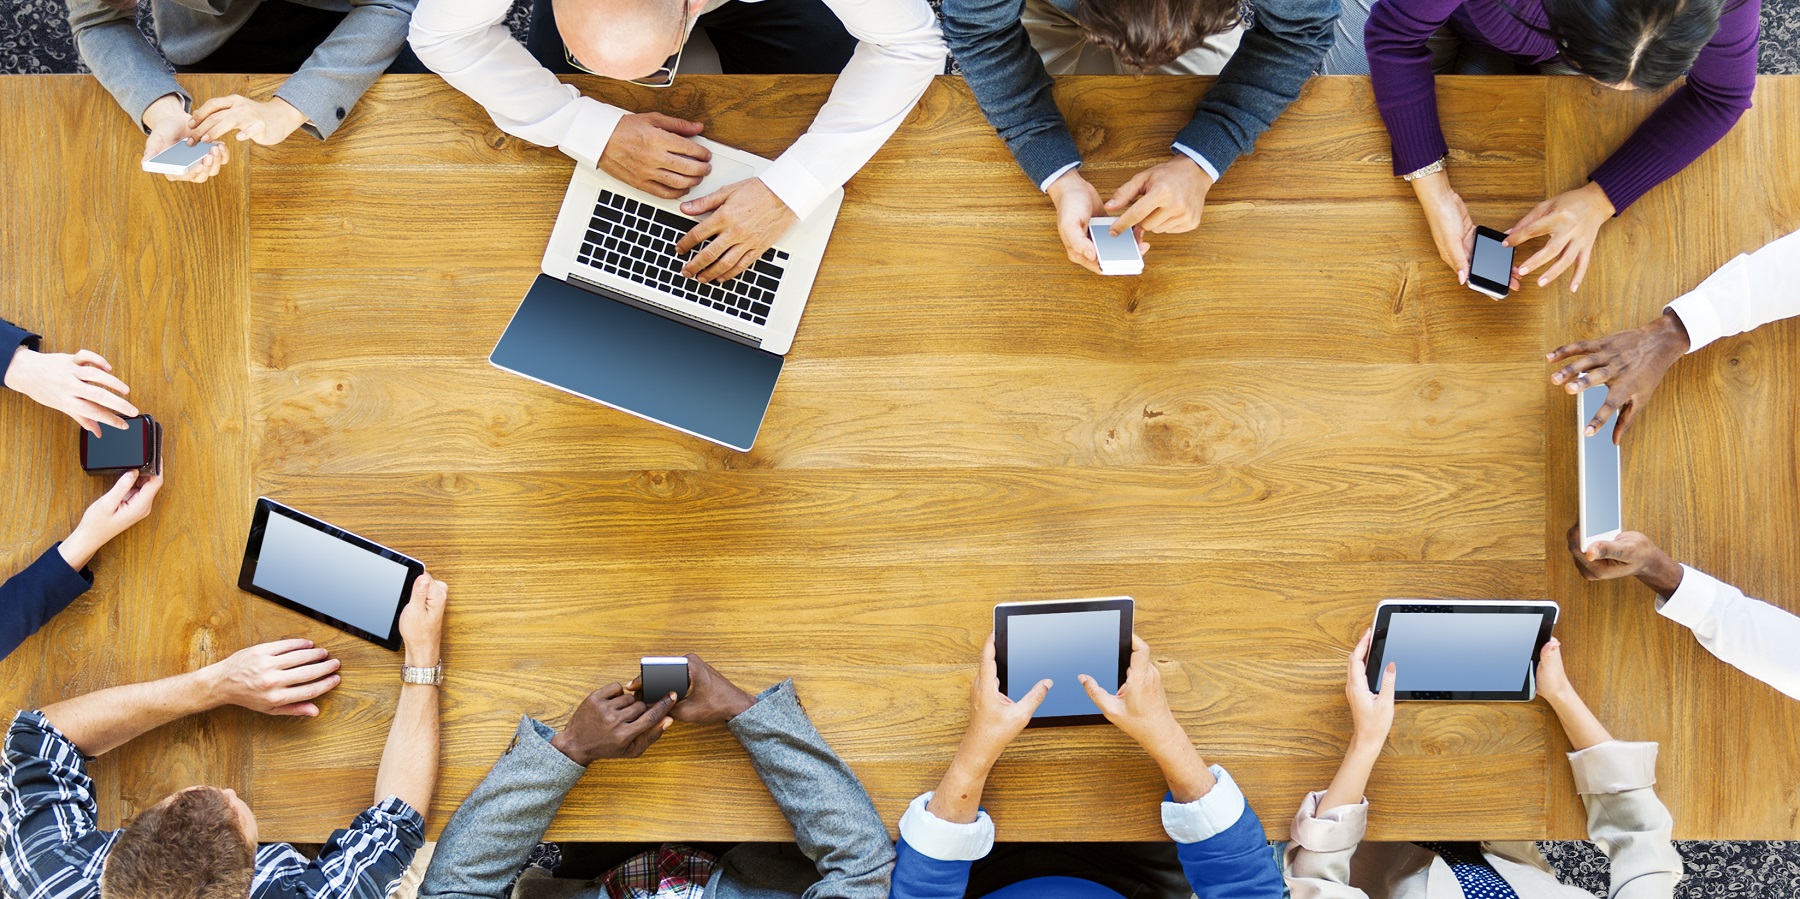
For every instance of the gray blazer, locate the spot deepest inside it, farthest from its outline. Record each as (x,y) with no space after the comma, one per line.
(843,850)
(325,88)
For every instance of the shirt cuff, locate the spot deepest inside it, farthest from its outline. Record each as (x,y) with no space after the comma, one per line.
(1614,767)
(1045,187)
(944,840)
(1333,830)
(1208,816)
(1199,160)
(1693,600)
(1699,317)
(592,128)
(790,182)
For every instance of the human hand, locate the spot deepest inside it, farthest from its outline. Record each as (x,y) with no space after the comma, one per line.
(746,219)
(279,678)
(422,622)
(1141,707)
(995,720)
(81,386)
(266,122)
(1167,198)
(1552,680)
(170,124)
(1076,202)
(1631,363)
(1630,553)
(1572,219)
(711,698)
(125,504)
(612,724)
(1372,713)
(651,152)
(1452,230)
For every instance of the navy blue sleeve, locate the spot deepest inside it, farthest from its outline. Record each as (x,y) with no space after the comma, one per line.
(919,876)
(1237,863)
(1277,55)
(11,338)
(1008,79)
(32,597)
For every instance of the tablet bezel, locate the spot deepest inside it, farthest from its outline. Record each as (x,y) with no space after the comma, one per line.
(1547,610)
(253,553)
(1003,612)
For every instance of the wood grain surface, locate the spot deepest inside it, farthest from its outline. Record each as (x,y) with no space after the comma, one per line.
(1294,413)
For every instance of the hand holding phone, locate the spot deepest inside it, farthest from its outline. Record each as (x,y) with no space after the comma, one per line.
(1490,270)
(138,447)
(127,503)
(180,158)
(658,676)
(1118,255)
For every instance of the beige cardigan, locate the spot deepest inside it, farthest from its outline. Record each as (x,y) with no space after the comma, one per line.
(1327,860)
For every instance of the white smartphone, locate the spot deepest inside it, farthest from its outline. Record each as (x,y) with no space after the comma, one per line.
(1118,255)
(1602,506)
(179,159)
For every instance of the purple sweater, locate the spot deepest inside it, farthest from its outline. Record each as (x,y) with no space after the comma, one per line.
(1689,121)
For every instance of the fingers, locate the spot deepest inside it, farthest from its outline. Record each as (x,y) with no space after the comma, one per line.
(637,683)
(305,692)
(1551,249)
(1463,250)
(1388,676)
(654,715)
(1532,225)
(1030,701)
(440,593)
(139,503)
(306,674)
(1140,658)
(706,256)
(707,228)
(1100,697)
(1128,192)
(1137,213)
(100,377)
(89,357)
(679,126)
(296,710)
(687,166)
(105,399)
(1570,252)
(703,205)
(299,657)
(610,691)
(1079,246)
(731,264)
(653,185)
(279,647)
(986,671)
(1627,414)
(1600,417)
(1581,267)
(115,496)
(214,105)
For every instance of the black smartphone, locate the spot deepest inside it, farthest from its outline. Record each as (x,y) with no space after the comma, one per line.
(138,447)
(1490,271)
(661,675)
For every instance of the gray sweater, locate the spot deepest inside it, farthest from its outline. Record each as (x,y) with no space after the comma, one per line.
(843,850)
(325,88)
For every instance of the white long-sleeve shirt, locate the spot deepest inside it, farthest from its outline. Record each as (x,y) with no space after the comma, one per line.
(1745,293)
(899,49)
(1754,637)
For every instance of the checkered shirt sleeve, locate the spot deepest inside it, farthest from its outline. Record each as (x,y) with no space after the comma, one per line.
(50,844)
(362,861)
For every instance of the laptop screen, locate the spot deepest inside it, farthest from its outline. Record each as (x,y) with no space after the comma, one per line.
(639,362)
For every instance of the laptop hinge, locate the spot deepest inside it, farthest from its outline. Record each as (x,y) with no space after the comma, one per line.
(670,314)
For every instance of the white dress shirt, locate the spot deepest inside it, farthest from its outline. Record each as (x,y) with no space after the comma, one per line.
(1750,290)
(1752,636)
(899,49)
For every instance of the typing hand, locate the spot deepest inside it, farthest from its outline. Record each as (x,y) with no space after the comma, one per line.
(169,125)
(1572,221)
(125,504)
(746,219)
(651,152)
(1631,363)
(81,386)
(267,123)
(422,622)
(1165,199)
(1372,713)
(612,724)
(279,678)
(1076,202)
(711,698)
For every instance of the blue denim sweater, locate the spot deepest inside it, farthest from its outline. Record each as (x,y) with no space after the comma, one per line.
(1283,48)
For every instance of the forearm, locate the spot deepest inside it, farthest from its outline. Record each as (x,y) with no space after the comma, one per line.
(105,720)
(409,763)
(1662,575)
(1186,773)
(1578,721)
(958,795)
(1259,82)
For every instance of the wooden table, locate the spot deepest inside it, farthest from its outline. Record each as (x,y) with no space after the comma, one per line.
(1291,415)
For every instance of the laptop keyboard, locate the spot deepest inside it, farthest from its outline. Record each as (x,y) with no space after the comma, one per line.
(636,241)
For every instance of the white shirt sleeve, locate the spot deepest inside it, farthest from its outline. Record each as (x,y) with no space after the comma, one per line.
(467,42)
(898,52)
(1747,292)
(944,840)
(1199,160)
(1753,636)
(1208,816)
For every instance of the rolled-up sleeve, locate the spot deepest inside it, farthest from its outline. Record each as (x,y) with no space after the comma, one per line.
(1317,863)
(1617,782)
(362,861)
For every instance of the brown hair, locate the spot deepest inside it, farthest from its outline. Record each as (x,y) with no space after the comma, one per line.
(190,847)
(1148,34)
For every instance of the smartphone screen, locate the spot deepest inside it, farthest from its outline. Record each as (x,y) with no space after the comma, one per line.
(663,675)
(181,155)
(1113,249)
(1600,468)
(1493,261)
(116,448)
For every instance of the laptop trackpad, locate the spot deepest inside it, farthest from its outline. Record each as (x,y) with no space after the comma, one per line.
(724,172)
(640,362)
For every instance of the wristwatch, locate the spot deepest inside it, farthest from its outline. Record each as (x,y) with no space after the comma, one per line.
(430,677)
(1431,169)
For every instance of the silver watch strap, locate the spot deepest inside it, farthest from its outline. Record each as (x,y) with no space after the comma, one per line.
(431,677)
(1431,169)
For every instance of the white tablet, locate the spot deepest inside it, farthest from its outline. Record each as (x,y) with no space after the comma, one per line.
(1602,507)
(1461,649)
(1061,639)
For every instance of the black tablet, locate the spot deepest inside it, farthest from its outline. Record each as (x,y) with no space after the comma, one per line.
(1060,639)
(327,573)
(1461,649)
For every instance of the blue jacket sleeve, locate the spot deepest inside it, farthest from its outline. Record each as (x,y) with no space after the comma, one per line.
(11,338)
(1278,53)
(989,41)
(919,876)
(29,599)
(1237,863)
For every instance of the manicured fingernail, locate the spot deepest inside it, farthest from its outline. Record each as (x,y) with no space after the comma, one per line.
(1543,281)
(1591,432)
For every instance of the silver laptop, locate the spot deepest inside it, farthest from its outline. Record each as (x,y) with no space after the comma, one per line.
(611,319)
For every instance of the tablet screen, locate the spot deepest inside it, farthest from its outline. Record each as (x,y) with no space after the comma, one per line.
(1601,512)
(1468,653)
(1059,647)
(327,573)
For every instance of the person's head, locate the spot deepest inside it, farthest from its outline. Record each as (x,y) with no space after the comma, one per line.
(199,843)
(1633,44)
(624,39)
(1148,34)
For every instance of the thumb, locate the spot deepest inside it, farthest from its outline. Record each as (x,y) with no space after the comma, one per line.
(1128,191)
(1389,675)
(708,203)
(1606,549)
(682,127)
(116,496)
(1030,701)
(1094,691)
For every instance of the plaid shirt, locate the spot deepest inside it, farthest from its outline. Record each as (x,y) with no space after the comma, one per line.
(671,871)
(52,848)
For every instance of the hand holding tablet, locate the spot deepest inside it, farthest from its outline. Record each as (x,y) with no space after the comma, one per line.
(328,574)
(1458,649)
(1059,641)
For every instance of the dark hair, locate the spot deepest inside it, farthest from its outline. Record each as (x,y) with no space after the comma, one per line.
(1643,43)
(1147,34)
(190,847)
